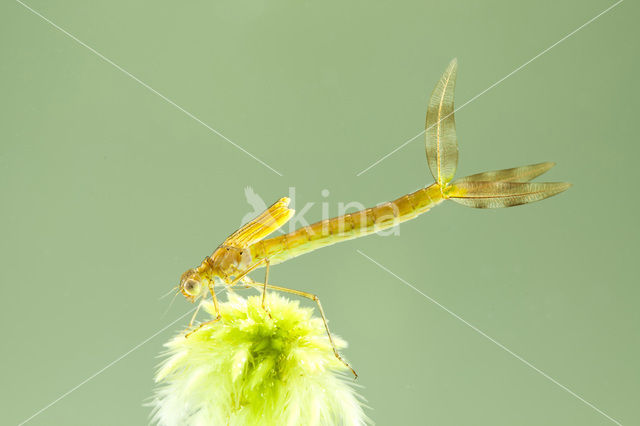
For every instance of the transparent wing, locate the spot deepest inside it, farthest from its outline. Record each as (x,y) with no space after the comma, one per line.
(441,141)
(516,174)
(490,195)
(267,222)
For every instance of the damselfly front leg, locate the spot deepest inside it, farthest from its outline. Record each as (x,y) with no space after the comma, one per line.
(215,306)
(195,313)
(310,296)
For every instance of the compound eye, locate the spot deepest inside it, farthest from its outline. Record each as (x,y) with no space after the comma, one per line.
(191,287)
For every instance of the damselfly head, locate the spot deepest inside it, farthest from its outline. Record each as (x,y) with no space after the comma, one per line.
(191,285)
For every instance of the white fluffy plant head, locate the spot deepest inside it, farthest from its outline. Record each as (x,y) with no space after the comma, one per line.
(249,369)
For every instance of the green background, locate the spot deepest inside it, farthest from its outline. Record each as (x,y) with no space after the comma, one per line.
(109,193)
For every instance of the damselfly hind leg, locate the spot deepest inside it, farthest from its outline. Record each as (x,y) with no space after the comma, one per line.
(215,306)
(264,287)
(315,299)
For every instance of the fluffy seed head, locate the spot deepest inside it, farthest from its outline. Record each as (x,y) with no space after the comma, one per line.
(249,369)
